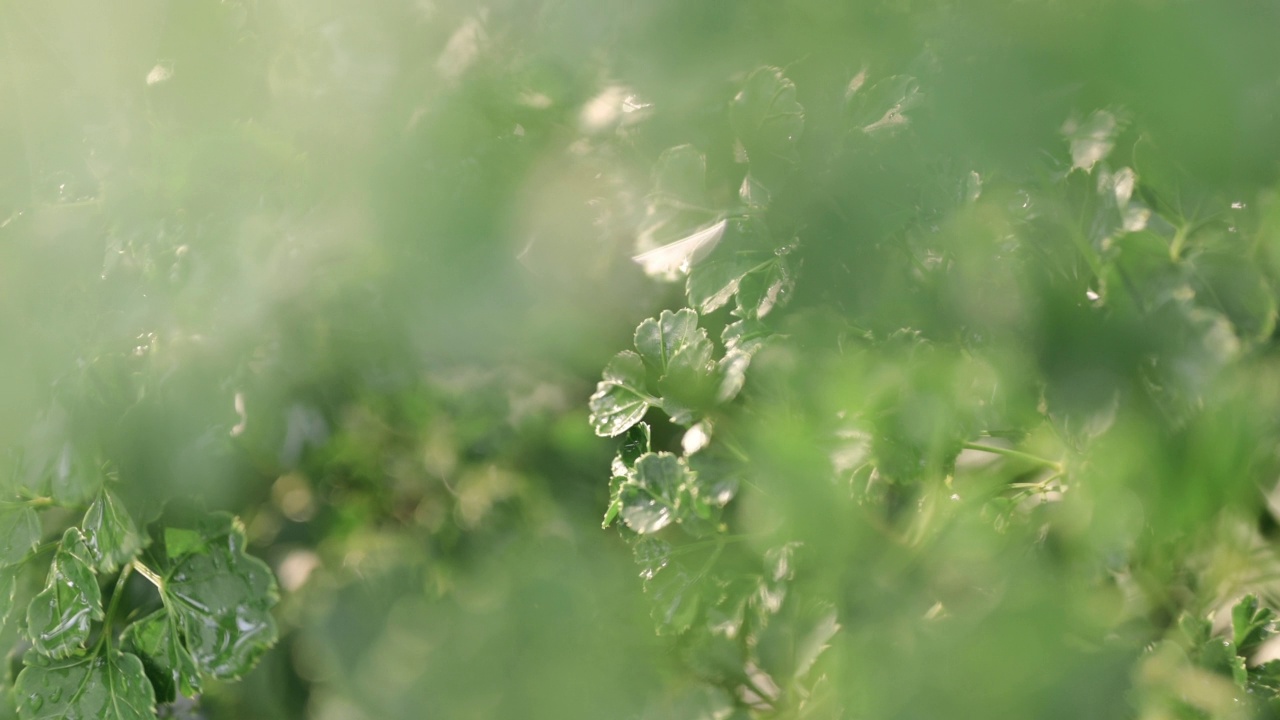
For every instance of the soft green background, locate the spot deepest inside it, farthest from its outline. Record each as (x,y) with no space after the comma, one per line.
(351,269)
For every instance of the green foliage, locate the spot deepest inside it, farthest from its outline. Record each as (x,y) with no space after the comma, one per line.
(937,339)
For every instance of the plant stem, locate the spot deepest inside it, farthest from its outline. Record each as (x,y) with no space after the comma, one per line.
(36,502)
(149,574)
(116,593)
(1018,454)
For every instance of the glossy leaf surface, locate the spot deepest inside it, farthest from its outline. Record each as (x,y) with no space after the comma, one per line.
(112,686)
(59,618)
(651,501)
(157,640)
(619,401)
(673,342)
(221,598)
(109,533)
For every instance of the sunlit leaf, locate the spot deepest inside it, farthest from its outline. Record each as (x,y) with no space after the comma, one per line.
(678,257)
(110,686)
(679,227)
(674,343)
(157,640)
(109,533)
(619,401)
(59,618)
(652,555)
(715,283)
(221,599)
(764,289)
(651,501)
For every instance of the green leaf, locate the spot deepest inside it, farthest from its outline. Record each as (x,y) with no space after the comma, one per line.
(1251,625)
(73,478)
(616,484)
(103,687)
(764,289)
(673,342)
(221,598)
(157,641)
(652,555)
(1092,139)
(680,177)
(747,334)
(19,534)
(637,442)
(881,108)
(768,122)
(651,501)
(8,587)
(181,541)
(679,352)
(59,618)
(109,533)
(679,227)
(619,401)
(1238,288)
(713,284)
(675,599)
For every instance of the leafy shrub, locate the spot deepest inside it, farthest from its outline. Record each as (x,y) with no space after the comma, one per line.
(934,340)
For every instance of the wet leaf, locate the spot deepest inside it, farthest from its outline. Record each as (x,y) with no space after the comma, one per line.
(109,533)
(59,618)
(157,641)
(112,686)
(619,401)
(221,599)
(19,534)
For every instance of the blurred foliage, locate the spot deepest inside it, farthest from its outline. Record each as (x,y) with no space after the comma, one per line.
(938,340)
